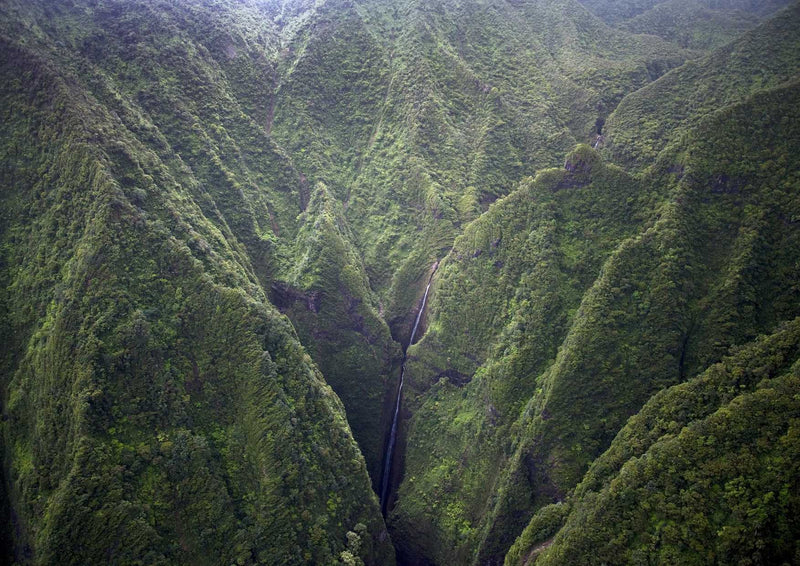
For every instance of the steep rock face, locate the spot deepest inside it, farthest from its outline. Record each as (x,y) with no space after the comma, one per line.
(156,406)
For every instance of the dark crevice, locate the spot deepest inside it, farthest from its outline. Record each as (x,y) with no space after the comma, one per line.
(389,461)
(598,125)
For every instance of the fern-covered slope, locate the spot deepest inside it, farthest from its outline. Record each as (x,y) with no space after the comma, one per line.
(730,427)
(416,115)
(706,472)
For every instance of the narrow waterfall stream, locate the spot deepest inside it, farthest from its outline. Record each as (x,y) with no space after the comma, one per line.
(387,465)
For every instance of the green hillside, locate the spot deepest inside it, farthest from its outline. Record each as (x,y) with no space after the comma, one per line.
(217,222)
(439,120)
(692,24)
(157,408)
(706,472)
(543,361)
(622,12)
(503,302)
(745,301)
(648,120)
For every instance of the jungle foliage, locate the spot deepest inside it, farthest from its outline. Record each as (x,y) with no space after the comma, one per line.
(572,301)
(218,218)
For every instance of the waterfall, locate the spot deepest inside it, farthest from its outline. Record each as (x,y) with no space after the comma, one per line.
(387,466)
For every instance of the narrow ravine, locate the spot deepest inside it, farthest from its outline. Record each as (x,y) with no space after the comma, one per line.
(389,455)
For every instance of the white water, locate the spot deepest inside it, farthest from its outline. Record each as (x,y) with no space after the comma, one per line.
(387,466)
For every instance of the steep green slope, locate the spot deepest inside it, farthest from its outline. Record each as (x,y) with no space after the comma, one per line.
(156,407)
(203,79)
(706,472)
(178,176)
(700,298)
(615,11)
(504,296)
(759,289)
(412,124)
(622,12)
(329,300)
(715,265)
(417,123)
(647,121)
(691,24)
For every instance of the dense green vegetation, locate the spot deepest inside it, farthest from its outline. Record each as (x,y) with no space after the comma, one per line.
(545,365)
(157,408)
(218,218)
(746,300)
(330,303)
(705,473)
(622,12)
(652,117)
(416,125)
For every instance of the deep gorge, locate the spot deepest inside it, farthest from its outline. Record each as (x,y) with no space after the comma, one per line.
(386,491)
(372,282)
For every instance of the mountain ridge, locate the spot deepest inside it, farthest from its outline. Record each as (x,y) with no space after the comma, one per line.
(218,220)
